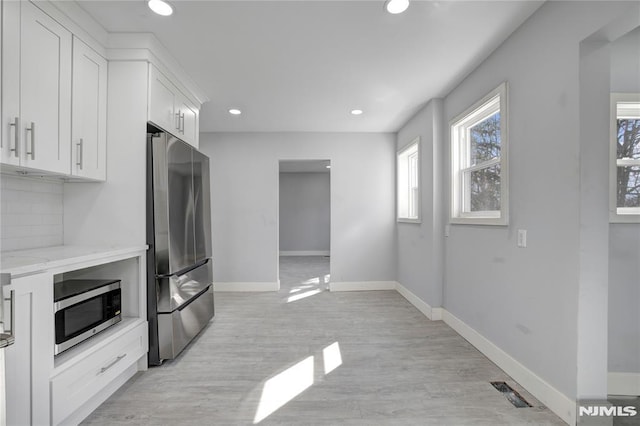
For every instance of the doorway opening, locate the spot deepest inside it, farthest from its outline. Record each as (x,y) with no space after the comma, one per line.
(304,228)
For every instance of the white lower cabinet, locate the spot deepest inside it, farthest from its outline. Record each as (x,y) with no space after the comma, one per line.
(79,383)
(43,389)
(29,360)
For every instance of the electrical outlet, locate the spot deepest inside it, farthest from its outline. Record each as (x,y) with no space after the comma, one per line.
(522,238)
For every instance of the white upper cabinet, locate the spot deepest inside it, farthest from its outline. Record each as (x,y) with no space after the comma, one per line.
(170,109)
(161,101)
(89,113)
(36,122)
(10,137)
(189,121)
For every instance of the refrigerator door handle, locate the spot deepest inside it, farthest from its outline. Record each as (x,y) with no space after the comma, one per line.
(6,337)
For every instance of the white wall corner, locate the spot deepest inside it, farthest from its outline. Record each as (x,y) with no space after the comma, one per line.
(624,384)
(246,286)
(362,285)
(563,406)
(433,314)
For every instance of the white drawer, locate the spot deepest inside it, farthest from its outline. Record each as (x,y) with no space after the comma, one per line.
(76,385)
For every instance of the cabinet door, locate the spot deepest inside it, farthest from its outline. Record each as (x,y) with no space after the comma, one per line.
(188,125)
(89,113)
(29,361)
(161,102)
(10,137)
(45,87)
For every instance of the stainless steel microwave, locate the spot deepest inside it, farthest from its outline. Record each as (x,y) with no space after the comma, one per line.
(83,308)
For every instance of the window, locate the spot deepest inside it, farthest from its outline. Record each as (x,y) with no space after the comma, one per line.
(409,183)
(624,193)
(479,176)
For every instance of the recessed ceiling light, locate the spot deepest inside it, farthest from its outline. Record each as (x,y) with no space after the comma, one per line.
(235,111)
(328,166)
(396,6)
(356,111)
(160,7)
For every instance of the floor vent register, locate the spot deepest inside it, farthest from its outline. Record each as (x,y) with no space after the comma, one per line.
(513,396)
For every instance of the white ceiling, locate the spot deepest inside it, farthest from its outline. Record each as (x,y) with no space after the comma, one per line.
(304,65)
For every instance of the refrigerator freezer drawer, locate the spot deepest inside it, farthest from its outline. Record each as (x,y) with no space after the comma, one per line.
(176,290)
(176,329)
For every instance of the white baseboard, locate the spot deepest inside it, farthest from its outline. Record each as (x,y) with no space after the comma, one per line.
(362,285)
(305,253)
(556,401)
(246,286)
(433,314)
(624,384)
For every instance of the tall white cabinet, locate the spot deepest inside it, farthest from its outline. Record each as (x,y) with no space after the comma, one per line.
(67,105)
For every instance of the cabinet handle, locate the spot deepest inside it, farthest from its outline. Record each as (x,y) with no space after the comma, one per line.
(16,136)
(182,123)
(114,362)
(32,129)
(7,338)
(80,153)
(177,124)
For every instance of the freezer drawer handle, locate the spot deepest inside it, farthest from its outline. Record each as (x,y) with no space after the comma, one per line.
(114,362)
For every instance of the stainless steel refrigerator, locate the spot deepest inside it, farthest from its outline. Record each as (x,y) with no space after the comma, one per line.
(180,268)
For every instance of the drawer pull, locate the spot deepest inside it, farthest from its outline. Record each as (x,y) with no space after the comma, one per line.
(114,362)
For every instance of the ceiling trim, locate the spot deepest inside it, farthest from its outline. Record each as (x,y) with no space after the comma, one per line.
(146,47)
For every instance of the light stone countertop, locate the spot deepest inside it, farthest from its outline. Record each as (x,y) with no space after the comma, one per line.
(26,262)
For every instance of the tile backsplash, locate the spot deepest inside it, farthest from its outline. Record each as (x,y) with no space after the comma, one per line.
(31,212)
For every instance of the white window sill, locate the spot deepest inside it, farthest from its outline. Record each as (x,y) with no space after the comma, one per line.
(624,218)
(491,221)
(408,220)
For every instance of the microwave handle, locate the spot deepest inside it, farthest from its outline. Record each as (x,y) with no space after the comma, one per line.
(7,337)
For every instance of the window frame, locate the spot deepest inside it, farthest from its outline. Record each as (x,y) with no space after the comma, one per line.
(400,156)
(460,212)
(619,214)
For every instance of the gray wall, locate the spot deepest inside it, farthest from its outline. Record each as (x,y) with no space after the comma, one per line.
(624,239)
(525,301)
(421,245)
(244,179)
(304,212)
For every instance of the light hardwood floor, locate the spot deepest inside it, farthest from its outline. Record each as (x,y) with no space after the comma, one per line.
(305,356)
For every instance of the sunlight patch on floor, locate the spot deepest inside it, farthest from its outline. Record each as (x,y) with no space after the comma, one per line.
(282,388)
(303,295)
(332,357)
(288,384)
(307,288)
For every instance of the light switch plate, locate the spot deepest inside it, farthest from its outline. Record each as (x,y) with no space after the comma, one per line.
(522,238)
